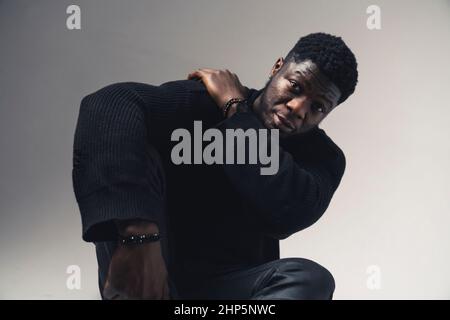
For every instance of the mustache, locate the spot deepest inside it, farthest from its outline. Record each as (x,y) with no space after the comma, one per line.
(286,121)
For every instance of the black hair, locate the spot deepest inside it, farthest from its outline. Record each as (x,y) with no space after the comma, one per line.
(334,59)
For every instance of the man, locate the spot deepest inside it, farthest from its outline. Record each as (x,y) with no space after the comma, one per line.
(211,231)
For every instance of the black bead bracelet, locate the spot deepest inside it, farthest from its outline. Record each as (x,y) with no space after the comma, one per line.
(139,239)
(229,103)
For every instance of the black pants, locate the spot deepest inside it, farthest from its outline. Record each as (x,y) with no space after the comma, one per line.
(286,279)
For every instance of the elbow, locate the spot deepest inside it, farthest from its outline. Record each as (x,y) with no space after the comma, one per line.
(284,231)
(114,110)
(283,226)
(110,99)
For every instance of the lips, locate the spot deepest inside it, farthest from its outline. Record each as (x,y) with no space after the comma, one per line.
(280,119)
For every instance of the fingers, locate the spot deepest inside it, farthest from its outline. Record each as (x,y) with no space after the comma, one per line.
(166,291)
(202,72)
(194,75)
(199,73)
(110,293)
(208,70)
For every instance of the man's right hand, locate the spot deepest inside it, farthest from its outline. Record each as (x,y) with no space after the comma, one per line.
(137,271)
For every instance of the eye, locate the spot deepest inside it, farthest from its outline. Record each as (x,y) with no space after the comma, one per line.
(319,108)
(294,85)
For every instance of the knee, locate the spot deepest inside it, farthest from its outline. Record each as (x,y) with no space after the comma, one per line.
(312,280)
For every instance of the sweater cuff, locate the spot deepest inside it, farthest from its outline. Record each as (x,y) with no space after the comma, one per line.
(100,209)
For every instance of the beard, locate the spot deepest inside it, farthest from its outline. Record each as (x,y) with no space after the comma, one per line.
(263,109)
(271,101)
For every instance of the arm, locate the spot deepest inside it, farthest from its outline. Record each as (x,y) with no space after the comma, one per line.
(109,159)
(137,271)
(113,130)
(292,199)
(114,126)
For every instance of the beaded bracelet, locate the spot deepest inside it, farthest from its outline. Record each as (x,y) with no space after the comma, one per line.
(229,103)
(139,239)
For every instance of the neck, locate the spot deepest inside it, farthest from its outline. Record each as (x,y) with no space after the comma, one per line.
(257,104)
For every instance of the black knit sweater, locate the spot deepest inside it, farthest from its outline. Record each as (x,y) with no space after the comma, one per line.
(221,217)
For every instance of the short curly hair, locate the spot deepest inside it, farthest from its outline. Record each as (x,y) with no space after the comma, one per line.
(334,59)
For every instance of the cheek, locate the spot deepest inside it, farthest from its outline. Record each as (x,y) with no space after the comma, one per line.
(281,91)
(277,97)
(315,120)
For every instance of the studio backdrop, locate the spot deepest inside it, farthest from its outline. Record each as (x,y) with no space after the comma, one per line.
(385,234)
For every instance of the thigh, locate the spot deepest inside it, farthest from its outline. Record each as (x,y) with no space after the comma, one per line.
(295,279)
(283,279)
(239,284)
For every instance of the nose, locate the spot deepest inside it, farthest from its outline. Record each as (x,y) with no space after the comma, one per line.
(299,106)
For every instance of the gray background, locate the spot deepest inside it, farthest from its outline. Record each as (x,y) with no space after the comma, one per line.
(392,208)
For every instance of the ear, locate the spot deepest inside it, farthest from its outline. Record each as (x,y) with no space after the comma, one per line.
(277,66)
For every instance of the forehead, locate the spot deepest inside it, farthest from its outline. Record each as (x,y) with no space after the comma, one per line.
(314,80)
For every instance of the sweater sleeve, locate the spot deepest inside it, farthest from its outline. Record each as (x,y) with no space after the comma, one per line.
(114,128)
(293,198)
(108,162)
(110,154)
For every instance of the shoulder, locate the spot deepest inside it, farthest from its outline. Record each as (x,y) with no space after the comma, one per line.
(332,156)
(143,96)
(333,151)
(139,88)
(315,144)
(317,150)
(175,87)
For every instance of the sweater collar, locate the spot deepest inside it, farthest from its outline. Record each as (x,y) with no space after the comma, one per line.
(252,95)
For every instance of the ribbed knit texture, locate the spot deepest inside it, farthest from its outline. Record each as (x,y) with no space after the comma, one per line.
(221,216)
